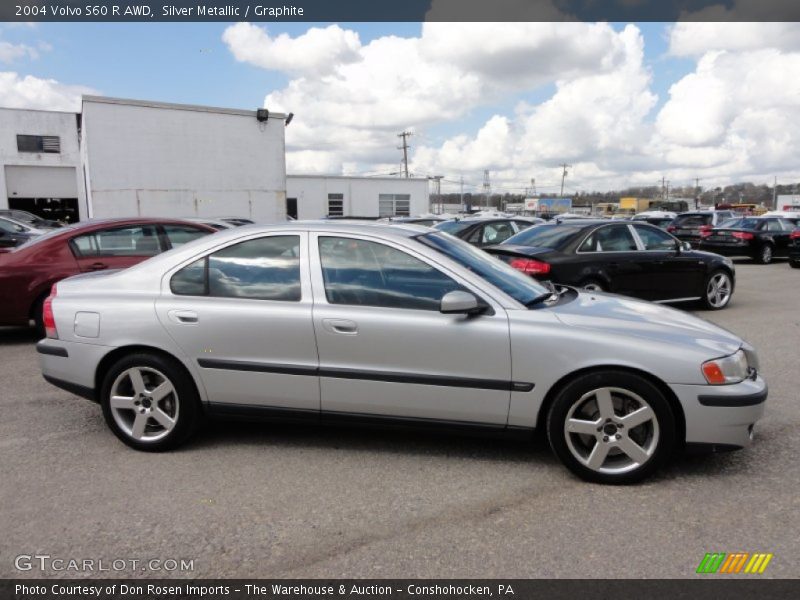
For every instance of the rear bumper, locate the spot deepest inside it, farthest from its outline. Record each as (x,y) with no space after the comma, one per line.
(722,416)
(71,366)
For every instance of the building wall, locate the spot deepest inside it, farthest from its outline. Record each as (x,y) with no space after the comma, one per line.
(148,158)
(360,194)
(40,175)
(788,202)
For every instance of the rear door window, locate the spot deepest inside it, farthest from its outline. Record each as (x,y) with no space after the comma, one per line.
(265,268)
(137,240)
(611,238)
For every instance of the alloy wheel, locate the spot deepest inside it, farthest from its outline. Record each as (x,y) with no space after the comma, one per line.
(766,254)
(144,404)
(611,430)
(718,291)
(593,286)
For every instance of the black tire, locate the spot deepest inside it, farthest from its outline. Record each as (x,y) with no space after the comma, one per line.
(765,254)
(706,302)
(38,317)
(662,441)
(185,401)
(795,264)
(593,285)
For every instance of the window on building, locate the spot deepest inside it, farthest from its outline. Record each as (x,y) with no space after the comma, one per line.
(394,205)
(39,143)
(335,205)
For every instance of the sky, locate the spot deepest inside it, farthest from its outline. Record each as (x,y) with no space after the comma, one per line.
(622,104)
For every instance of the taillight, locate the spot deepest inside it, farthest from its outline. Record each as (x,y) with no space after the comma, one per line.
(671,229)
(530,266)
(47,315)
(795,235)
(742,235)
(704,233)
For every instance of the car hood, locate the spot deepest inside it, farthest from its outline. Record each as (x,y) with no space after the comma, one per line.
(619,315)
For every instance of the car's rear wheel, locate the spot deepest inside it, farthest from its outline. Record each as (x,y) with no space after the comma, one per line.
(765,254)
(718,290)
(150,402)
(795,264)
(611,427)
(592,285)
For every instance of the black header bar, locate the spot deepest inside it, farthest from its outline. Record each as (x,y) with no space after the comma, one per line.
(397,10)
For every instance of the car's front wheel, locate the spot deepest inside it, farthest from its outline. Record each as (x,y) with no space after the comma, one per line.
(718,290)
(611,427)
(795,264)
(150,402)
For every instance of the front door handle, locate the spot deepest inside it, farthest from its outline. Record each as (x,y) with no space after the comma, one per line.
(97,266)
(183,317)
(343,326)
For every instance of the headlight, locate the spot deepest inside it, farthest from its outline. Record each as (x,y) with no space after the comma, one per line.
(730,369)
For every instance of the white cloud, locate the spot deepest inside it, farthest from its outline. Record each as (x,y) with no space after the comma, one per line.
(12,52)
(695,39)
(46,94)
(316,52)
(732,116)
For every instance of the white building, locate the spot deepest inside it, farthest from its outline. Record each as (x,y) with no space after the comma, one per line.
(40,163)
(153,158)
(316,196)
(788,202)
(129,157)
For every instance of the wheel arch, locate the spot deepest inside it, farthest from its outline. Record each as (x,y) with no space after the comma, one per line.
(112,357)
(680,416)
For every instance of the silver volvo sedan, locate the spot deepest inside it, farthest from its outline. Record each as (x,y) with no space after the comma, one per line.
(394,324)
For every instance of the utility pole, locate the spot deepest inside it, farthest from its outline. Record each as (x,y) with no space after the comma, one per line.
(437,186)
(696,193)
(405,135)
(486,187)
(775,192)
(564,166)
(462,193)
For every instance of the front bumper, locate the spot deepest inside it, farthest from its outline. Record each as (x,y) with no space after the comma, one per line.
(722,415)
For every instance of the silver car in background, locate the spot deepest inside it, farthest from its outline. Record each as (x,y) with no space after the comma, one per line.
(394,324)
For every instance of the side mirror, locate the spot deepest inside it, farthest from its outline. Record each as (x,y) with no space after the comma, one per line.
(684,246)
(459,302)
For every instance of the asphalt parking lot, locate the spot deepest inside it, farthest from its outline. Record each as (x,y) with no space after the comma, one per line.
(277,501)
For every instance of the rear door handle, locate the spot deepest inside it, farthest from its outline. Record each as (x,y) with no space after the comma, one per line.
(343,326)
(183,316)
(97,266)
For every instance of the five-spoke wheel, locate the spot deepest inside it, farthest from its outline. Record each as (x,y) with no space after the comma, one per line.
(150,402)
(719,289)
(611,426)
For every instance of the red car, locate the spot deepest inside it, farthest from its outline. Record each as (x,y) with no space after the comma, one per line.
(28,271)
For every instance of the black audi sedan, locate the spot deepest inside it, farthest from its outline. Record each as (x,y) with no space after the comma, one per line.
(635,259)
(760,238)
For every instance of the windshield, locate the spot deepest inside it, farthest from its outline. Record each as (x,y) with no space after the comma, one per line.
(544,236)
(520,287)
(452,226)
